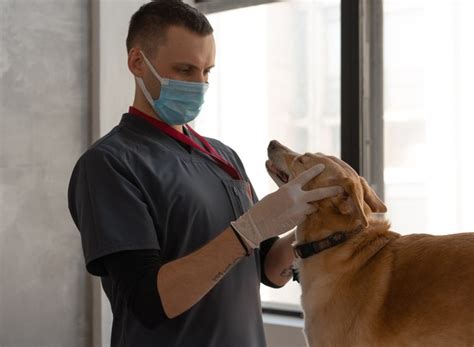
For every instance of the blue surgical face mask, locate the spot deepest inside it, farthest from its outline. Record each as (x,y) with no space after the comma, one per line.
(179,101)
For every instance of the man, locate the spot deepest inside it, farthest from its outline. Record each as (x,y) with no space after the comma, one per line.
(167,218)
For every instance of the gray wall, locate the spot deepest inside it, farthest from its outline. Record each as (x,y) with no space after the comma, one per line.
(44,127)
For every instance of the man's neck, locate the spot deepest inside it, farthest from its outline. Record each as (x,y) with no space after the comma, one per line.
(144,106)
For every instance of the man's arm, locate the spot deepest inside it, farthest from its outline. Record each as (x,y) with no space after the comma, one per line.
(278,263)
(135,275)
(183,282)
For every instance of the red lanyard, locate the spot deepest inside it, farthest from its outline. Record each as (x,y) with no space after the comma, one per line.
(175,134)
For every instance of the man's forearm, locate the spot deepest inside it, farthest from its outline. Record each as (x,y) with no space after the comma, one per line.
(279,260)
(183,282)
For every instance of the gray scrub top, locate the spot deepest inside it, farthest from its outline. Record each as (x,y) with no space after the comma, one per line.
(137,188)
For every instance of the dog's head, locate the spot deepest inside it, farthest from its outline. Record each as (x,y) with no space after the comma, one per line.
(345,211)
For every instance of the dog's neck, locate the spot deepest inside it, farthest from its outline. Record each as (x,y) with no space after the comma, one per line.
(313,238)
(318,227)
(305,250)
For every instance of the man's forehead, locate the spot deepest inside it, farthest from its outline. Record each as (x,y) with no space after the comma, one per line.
(178,37)
(180,45)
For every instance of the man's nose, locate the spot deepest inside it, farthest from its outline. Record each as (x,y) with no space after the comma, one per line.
(201,78)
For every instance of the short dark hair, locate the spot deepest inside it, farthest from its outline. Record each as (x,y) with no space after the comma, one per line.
(150,23)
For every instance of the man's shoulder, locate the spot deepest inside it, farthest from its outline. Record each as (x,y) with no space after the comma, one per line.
(118,143)
(111,146)
(112,142)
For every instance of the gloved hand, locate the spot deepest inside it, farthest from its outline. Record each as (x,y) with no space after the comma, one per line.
(283,209)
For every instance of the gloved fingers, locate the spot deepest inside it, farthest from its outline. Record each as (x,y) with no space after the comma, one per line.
(308,175)
(323,193)
(305,211)
(310,208)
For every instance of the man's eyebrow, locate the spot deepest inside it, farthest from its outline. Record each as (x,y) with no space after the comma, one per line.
(192,65)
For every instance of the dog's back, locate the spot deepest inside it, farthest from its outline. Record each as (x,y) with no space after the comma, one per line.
(391,290)
(430,297)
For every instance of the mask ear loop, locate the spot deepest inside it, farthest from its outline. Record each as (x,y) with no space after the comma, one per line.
(145,91)
(141,83)
(163,81)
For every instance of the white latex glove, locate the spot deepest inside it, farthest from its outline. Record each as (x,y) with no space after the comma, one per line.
(283,209)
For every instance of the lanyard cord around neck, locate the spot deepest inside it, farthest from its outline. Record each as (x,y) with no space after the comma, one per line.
(207,149)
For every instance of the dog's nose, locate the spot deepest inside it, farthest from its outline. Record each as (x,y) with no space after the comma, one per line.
(273,144)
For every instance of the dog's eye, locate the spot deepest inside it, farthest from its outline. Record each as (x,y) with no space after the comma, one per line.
(301,159)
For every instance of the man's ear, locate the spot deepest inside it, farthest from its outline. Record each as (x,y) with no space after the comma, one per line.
(353,201)
(371,197)
(135,62)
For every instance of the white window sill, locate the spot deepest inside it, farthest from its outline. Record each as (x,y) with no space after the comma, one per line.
(282,320)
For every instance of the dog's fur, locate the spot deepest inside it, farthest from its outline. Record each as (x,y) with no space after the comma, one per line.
(377,288)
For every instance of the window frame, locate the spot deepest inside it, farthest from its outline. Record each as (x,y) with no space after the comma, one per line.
(362,132)
(213,6)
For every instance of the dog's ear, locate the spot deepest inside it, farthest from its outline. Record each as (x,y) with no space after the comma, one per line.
(371,197)
(353,203)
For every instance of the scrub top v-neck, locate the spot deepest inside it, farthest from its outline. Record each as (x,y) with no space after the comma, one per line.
(137,188)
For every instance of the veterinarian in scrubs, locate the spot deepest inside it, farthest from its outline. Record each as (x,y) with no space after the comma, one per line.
(168,219)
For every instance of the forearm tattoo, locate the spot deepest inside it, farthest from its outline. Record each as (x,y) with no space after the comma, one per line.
(287,272)
(221,274)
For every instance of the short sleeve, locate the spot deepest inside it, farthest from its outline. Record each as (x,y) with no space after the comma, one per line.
(108,208)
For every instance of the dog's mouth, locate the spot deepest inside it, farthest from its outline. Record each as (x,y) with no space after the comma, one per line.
(276,173)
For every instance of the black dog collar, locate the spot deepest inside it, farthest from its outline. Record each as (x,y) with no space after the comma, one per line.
(306,250)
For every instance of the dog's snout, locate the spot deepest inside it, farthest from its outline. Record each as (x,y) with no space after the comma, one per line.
(275,148)
(273,144)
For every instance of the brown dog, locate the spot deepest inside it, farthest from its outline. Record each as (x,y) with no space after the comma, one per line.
(368,286)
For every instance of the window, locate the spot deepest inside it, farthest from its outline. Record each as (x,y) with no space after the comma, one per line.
(428,115)
(277,76)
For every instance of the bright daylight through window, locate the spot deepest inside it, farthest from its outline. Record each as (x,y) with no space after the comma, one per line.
(428,115)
